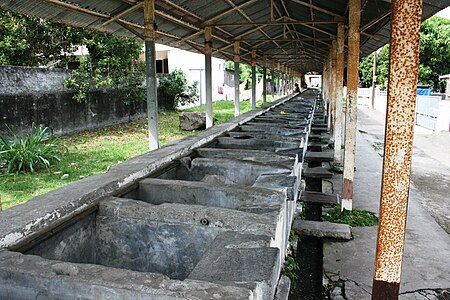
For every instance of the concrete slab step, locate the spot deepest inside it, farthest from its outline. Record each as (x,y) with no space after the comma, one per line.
(315,128)
(322,229)
(319,198)
(319,156)
(317,172)
(318,145)
(319,138)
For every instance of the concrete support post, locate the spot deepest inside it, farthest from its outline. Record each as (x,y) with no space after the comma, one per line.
(351,112)
(236,79)
(329,88)
(333,87)
(398,142)
(150,73)
(264,78)
(289,80)
(208,76)
(374,77)
(339,91)
(278,79)
(253,79)
(282,81)
(324,83)
(272,75)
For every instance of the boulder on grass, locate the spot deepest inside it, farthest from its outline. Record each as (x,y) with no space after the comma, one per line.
(192,121)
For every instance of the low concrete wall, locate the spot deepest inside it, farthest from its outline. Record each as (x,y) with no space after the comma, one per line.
(37,95)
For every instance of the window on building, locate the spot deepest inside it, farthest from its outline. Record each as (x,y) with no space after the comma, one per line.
(162,66)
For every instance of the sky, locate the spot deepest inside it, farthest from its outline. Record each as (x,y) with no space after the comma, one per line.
(445,13)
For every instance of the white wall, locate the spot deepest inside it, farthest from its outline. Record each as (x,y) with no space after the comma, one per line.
(431,111)
(193,64)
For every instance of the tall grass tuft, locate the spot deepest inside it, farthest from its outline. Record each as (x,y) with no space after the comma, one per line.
(28,153)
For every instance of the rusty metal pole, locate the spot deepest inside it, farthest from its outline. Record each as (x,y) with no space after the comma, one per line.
(253,79)
(374,77)
(150,73)
(208,76)
(339,91)
(237,110)
(398,141)
(351,111)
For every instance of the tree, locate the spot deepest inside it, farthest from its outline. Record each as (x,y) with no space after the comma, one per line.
(434,51)
(245,71)
(29,41)
(365,71)
(366,67)
(112,62)
(434,55)
(175,90)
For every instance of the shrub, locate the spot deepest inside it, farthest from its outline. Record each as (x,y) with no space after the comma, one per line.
(38,149)
(175,90)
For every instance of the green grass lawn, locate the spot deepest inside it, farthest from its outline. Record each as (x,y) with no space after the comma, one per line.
(92,152)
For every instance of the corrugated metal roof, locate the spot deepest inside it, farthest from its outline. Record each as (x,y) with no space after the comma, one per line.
(303,47)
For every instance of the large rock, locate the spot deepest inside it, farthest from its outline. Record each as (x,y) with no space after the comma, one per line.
(192,120)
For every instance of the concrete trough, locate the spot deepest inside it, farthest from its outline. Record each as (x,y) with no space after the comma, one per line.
(207,217)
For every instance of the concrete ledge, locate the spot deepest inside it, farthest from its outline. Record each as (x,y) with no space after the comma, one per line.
(253,200)
(32,277)
(283,288)
(175,213)
(322,229)
(260,156)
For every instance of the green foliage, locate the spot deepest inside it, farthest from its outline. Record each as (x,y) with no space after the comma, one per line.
(112,63)
(245,72)
(434,56)
(291,266)
(434,50)
(176,90)
(289,269)
(366,68)
(355,217)
(383,66)
(35,150)
(29,41)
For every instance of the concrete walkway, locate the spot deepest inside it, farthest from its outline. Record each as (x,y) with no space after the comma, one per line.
(426,261)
